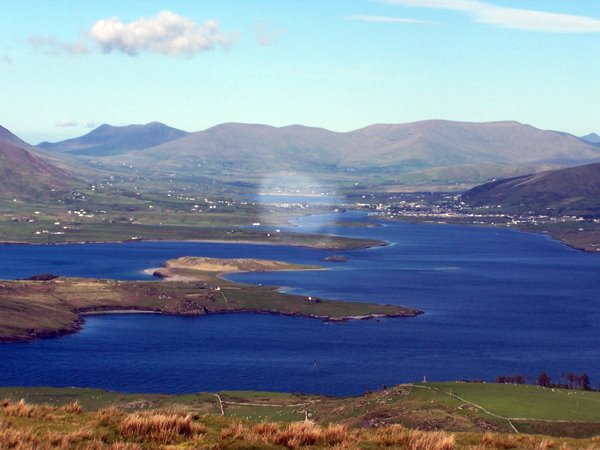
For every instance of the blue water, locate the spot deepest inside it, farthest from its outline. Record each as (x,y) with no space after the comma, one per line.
(496,302)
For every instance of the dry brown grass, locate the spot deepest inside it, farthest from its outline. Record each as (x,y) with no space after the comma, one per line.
(17,438)
(72,408)
(546,444)
(122,446)
(159,427)
(42,427)
(234,431)
(299,434)
(308,434)
(24,409)
(110,415)
(68,439)
(100,445)
(293,435)
(498,441)
(264,431)
(399,436)
(507,441)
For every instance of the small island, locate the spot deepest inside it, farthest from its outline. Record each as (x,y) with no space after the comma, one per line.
(193,286)
(336,258)
(190,268)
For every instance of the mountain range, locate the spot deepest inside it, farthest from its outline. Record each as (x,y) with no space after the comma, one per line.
(571,191)
(435,150)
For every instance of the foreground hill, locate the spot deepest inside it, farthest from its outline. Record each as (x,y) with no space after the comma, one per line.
(574,190)
(432,416)
(111,140)
(26,175)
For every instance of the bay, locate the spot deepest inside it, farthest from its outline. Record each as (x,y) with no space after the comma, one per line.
(496,302)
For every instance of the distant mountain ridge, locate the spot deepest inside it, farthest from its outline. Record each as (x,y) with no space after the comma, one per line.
(110,140)
(431,152)
(388,150)
(575,190)
(593,138)
(425,144)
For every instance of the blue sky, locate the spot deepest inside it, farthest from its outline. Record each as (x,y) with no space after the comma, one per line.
(67,66)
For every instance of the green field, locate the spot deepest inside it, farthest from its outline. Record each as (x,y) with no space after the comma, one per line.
(112,214)
(528,402)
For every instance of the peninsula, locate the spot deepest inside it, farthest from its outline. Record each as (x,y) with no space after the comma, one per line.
(31,309)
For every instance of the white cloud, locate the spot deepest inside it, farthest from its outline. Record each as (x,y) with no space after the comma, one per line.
(386,19)
(166,33)
(76,124)
(67,124)
(6,59)
(51,45)
(515,18)
(267,37)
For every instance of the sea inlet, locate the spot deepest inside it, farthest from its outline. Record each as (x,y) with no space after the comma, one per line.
(496,302)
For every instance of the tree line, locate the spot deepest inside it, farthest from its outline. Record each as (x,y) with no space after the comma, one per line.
(569,381)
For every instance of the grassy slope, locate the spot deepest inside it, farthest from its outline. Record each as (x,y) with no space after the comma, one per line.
(571,191)
(361,418)
(428,406)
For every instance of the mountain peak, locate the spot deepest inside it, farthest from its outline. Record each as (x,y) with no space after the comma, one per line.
(594,138)
(113,140)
